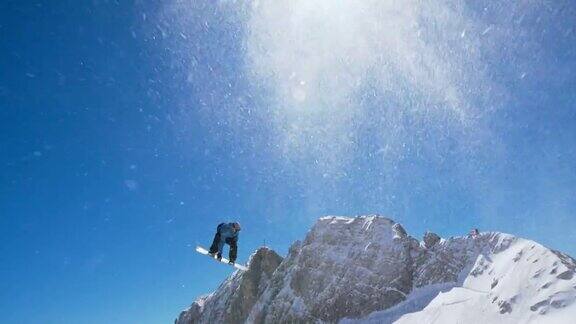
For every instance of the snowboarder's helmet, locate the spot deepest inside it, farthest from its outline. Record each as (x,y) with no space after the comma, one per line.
(236,226)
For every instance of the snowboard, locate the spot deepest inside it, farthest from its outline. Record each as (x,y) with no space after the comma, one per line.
(202,250)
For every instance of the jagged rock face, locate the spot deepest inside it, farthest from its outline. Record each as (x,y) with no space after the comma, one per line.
(430,239)
(446,260)
(344,268)
(234,299)
(369,270)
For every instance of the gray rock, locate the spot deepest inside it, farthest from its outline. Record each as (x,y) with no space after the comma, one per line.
(344,268)
(399,230)
(430,239)
(234,299)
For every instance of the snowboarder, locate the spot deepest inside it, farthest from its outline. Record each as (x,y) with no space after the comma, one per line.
(226,233)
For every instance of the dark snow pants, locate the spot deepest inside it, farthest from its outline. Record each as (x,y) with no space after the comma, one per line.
(230,241)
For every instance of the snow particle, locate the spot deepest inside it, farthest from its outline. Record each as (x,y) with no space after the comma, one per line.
(132,185)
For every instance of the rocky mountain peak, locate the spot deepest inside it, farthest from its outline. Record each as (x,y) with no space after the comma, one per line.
(368,269)
(344,267)
(430,239)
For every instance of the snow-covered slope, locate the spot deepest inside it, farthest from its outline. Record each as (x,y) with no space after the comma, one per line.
(512,280)
(367,269)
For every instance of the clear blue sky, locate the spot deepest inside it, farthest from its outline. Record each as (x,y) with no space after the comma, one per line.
(129,130)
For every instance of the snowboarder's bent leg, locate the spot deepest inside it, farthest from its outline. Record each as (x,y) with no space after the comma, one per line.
(233,249)
(215,243)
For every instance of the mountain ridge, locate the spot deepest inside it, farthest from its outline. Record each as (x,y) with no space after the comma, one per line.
(368,269)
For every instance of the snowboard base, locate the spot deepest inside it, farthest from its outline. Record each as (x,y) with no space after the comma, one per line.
(202,250)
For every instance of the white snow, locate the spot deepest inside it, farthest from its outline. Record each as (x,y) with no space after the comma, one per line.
(415,301)
(518,283)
